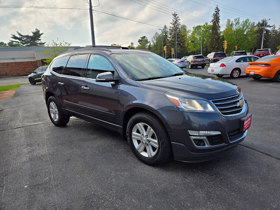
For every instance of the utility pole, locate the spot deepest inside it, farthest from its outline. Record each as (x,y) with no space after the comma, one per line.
(162,42)
(176,41)
(91,24)
(263,31)
(201,42)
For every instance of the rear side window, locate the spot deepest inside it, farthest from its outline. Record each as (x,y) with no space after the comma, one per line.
(98,64)
(76,65)
(243,60)
(59,64)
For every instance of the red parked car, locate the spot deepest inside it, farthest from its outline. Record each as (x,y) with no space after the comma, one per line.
(262,52)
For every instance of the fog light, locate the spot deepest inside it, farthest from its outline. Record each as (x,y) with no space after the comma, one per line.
(199,142)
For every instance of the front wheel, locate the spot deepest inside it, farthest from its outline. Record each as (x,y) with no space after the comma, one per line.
(148,139)
(56,115)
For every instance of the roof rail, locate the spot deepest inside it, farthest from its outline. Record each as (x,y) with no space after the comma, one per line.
(101,47)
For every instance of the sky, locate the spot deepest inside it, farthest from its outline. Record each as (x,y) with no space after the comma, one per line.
(121,21)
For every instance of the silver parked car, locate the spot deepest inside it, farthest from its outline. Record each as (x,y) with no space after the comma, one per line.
(178,62)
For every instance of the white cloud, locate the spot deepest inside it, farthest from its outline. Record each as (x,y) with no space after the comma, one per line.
(73,25)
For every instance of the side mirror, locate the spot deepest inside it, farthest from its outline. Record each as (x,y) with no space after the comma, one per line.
(105,77)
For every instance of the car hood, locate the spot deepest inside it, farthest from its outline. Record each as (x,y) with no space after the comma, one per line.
(193,86)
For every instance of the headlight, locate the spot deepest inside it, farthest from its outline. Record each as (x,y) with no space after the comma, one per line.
(192,104)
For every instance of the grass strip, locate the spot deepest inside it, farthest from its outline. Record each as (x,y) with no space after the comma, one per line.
(11,87)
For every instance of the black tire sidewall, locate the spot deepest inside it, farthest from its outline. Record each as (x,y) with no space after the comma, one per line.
(163,153)
(32,81)
(62,118)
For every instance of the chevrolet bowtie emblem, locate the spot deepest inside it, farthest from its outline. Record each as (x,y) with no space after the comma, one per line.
(240,103)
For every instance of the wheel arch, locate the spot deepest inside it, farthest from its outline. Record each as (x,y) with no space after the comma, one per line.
(134,110)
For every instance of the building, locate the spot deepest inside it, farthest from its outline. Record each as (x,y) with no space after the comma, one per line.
(20,61)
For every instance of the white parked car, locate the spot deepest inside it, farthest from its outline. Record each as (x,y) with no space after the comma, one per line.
(233,66)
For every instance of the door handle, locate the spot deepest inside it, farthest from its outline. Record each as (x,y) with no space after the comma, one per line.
(60,83)
(85,87)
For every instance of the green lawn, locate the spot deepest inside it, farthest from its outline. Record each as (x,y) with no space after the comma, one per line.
(11,87)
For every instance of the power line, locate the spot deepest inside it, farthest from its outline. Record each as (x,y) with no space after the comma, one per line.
(83,9)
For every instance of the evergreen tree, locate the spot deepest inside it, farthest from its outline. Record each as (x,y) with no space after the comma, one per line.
(177,33)
(215,43)
(143,43)
(28,40)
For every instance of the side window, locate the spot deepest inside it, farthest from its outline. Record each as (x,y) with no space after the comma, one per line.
(76,65)
(242,60)
(59,64)
(98,64)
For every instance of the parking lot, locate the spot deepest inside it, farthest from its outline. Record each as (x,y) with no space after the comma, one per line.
(84,166)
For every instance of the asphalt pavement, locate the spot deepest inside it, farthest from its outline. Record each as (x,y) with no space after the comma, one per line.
(84,166)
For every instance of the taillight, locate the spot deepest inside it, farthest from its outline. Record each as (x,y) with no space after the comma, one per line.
(178,61)
(222,65)
(192,60)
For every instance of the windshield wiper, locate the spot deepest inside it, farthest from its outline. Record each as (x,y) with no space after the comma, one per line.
(176,74)
(150,78)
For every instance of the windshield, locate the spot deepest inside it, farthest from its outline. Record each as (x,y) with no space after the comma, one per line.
(144,66)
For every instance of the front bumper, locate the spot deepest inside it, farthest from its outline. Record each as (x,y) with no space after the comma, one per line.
(204,136)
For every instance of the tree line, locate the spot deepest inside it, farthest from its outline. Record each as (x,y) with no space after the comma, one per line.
(240,35)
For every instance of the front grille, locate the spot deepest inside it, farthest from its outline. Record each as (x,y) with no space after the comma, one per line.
(230,105)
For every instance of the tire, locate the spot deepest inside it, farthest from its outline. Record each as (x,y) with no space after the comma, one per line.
(56,114)
(191,66)
(276,78)
(148,140)
(235,73)
(203,66)
(32,81)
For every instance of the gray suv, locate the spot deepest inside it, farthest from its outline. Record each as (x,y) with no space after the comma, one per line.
(194,61)
(159,110)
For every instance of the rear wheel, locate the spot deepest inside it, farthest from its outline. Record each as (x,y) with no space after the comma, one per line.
(56,114)
(148,139)
(276,78)
(202,66)
(235,73)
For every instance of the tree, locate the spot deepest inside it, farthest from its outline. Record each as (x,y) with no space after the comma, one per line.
(143,43)
(260,28)
(54,49)
(28,40)
(131,46)
(215,38)
(274,39)
(240,34)
(199,32)
(3,44)
(177,37)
